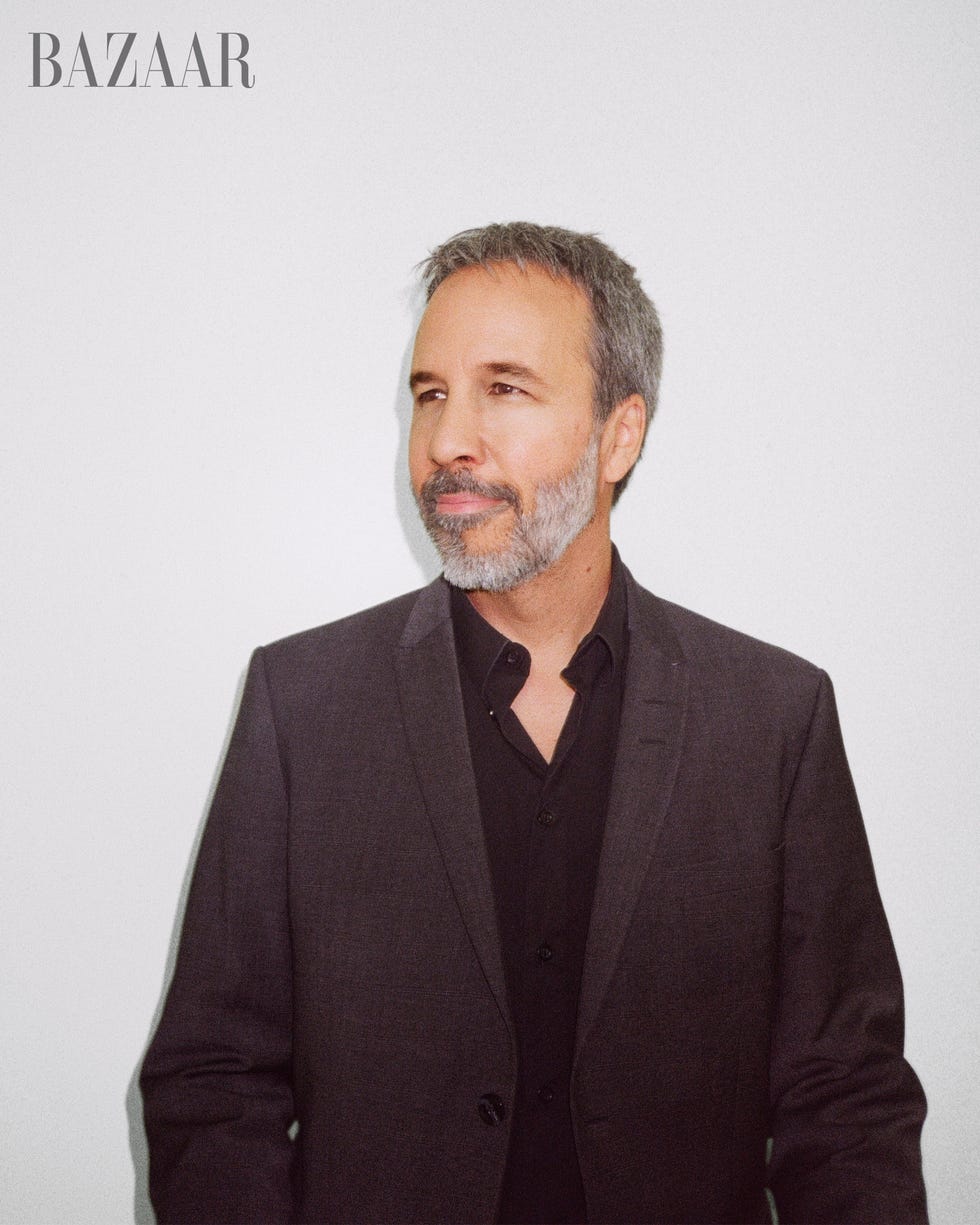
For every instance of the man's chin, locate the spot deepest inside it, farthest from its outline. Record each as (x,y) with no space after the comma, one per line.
(487,570)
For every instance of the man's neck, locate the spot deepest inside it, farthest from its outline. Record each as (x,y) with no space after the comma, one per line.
(551,613)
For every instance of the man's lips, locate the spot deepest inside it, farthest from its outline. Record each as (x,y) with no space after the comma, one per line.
(466,503)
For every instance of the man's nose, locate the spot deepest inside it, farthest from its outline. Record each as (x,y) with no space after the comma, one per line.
(457,436)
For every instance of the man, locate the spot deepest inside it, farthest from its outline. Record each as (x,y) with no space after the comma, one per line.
(530,897)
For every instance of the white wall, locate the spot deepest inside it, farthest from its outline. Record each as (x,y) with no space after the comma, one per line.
(207,307)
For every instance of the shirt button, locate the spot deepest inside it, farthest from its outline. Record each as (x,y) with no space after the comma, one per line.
(492,1109)
(512,657)
(546,818)
(546,1094)
(545,952)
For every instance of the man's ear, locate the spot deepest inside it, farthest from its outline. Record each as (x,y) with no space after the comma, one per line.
(622,438)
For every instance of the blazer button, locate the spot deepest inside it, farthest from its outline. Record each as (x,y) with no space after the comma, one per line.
(492,1109)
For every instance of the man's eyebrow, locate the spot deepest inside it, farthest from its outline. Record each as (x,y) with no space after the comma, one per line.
(513,370)
(418,377)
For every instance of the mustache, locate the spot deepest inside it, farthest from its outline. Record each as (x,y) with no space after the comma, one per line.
(463,481)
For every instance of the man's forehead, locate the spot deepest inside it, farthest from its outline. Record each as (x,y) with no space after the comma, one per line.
(504,302)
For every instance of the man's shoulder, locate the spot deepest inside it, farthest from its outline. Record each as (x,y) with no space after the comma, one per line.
(703,637)
(715,650)
(356,638)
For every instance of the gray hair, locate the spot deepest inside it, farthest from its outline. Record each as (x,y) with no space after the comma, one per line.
(626,341)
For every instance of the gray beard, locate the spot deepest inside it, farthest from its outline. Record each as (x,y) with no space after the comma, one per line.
(538,538)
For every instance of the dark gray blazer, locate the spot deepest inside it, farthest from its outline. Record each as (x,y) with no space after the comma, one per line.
(340,964)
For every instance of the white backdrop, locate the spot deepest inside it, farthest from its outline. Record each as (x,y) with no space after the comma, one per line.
(207,310)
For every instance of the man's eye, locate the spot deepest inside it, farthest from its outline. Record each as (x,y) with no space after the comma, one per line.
(430,394)
(505,389)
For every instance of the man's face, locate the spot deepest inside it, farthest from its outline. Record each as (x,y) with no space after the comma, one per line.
(503,452)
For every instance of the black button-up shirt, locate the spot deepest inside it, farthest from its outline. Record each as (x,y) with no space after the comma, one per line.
(543,824)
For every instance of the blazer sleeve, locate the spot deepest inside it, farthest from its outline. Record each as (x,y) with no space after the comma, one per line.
(847,1110)
(216,1078)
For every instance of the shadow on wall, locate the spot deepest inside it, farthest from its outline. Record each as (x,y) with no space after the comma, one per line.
(142,1209)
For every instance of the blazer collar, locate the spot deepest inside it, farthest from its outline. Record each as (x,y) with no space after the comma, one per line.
(648,753)
(435,723)
(649,749)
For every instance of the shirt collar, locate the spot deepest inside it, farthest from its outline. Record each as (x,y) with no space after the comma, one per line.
(499,667)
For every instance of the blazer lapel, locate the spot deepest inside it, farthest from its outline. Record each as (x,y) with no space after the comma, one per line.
(435,723)
(650,737)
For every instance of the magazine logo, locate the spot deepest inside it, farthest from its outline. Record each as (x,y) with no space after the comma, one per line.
(128,65)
